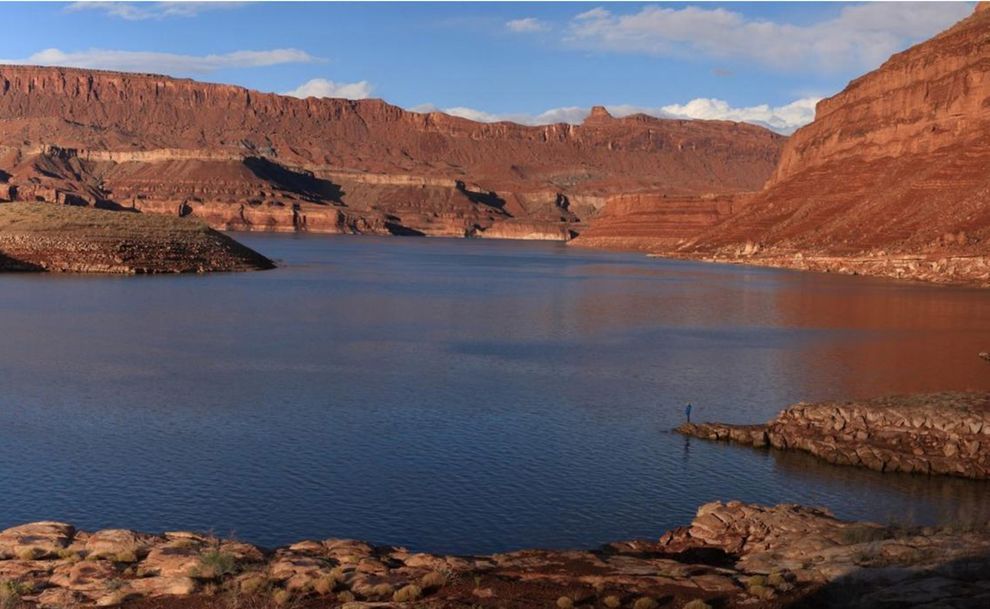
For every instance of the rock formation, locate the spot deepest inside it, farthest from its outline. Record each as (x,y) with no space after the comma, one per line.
(945,433)
(650,221)
(39,237)
(732,555)
(247,160)
(890,179)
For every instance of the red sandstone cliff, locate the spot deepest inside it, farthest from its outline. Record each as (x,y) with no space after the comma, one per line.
(243,159)
(891,178)
(897,160)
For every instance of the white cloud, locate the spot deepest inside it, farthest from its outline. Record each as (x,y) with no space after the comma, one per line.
(167,63)
(782,119)
(860,37)
(526,25)
(150,10)
(321,87)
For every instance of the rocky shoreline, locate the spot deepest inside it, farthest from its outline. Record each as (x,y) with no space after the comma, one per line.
(941,433)
(56,238)
(731,555)
(939,269)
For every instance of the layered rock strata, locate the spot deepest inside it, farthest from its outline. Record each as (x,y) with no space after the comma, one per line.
(39,237)
(889,179)
(256,161)
(945,433)
(732,555)
(648,221)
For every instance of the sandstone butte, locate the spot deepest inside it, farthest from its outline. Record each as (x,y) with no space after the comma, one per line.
(70,239)
(732,555)
(943,433)
(890,179)
(245,160)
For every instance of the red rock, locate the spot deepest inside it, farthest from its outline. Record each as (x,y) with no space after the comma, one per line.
(248,160)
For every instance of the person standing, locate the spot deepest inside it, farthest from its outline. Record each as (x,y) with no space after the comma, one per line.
(687,412)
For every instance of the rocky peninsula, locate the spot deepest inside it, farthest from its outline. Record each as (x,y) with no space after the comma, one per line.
(64,238)
(941,433)
(731,555)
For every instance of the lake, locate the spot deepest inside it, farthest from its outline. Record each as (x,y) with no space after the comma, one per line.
(454,395)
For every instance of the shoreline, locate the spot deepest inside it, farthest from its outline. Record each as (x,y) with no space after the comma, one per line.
(731,555)
(43,237)
(932,434)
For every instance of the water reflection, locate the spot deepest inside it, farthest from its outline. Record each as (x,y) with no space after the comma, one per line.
(464,396)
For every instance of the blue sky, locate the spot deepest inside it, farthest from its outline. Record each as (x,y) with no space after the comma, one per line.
(531,62)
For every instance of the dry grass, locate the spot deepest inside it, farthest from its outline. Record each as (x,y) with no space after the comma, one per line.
(47,217)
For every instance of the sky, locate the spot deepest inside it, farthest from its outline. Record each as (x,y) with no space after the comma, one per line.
(534,63)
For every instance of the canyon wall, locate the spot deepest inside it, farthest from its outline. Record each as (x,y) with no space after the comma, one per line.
(890,179)
(896,161)
(248,160)
(648,221)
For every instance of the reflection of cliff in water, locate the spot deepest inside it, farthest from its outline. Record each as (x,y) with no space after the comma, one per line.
(898,498)
(902,338)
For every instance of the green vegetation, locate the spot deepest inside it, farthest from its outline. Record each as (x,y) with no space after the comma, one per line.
(11,593)
(215,565)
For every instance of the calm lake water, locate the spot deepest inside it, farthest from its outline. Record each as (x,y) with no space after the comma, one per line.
(454,395)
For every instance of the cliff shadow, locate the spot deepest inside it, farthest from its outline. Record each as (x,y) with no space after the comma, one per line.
(488,199)
(961,583)
(301,183)
(4,176)
(395,227)
(13,265)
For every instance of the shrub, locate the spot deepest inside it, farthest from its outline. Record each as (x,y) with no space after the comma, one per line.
(755,580)
(645,603)
(382,590)
(776,579)
(215,565)
(407,594)
(252,585)
(11,593)
(127,556)
(281,597)
(325,585)
(565,602)
(612,601)
(30,553)
(697,604)
(761,592)
(862,533)
(346,596)
(434,580)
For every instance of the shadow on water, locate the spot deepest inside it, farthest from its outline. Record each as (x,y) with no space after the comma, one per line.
(890,498)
